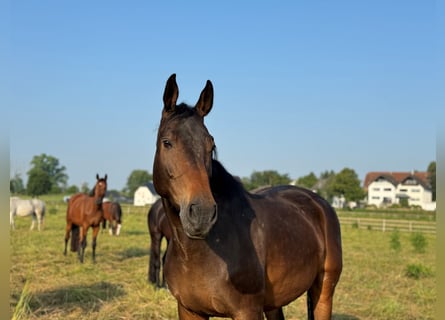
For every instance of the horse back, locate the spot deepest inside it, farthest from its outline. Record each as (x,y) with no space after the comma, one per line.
(21,207)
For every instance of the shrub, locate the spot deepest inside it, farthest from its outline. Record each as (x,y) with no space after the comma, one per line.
(395,241)
(418,242)
(417,271)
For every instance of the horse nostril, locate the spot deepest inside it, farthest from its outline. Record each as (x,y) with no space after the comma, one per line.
(215,213)
(202,214)
(192,212)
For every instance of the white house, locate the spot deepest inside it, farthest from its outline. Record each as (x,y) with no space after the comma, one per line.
(386,188)
(145,194)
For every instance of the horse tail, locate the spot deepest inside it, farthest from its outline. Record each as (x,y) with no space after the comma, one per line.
(75,234)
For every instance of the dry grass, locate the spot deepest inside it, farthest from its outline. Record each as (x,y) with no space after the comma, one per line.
(44,284)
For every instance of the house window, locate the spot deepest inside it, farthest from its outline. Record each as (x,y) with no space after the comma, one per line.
(415,190)
(375,198)
(403,190)
(410,182)
(387,189)
(387,200)
(375,189)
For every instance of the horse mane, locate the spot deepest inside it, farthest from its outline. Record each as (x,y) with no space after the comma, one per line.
(183,110)
(223,183)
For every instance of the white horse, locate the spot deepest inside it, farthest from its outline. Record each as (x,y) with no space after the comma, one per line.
(23,208)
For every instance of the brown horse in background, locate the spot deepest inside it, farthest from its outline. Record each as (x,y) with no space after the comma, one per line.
(233,253)
(158,228)
(112,214)
(82,212)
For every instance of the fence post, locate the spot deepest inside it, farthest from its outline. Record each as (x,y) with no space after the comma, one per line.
(410,226)
(384,225)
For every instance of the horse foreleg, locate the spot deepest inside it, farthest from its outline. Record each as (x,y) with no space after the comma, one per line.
(276,314)
(33,222)
(39,222)
(95,233)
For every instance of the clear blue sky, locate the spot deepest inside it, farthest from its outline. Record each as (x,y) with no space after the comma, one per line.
(300,86)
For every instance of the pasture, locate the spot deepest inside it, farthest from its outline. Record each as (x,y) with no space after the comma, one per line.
(44,284)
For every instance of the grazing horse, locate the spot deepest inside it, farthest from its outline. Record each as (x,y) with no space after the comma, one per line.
(22,208)
(158,228)
(233,253)
(82,212)
(113,214)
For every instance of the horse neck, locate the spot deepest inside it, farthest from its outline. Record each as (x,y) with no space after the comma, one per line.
(98,199)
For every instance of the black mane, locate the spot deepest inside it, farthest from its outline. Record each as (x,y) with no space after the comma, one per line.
(223,183)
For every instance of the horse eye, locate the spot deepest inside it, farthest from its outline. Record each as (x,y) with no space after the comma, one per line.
(167,144)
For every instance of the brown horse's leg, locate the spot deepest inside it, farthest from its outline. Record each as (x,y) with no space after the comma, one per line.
(276,314)
(321,295)
(95,232)
(67,234)
(82,243)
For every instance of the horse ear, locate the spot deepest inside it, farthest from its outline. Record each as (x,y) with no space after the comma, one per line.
(105,178)
(205,102)
(171,93)
(97,176)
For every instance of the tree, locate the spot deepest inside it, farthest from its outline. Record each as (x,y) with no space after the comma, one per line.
(323,186)
(39,182)
(16,184)
(432,177)
(52,168)
(265,178)
(136,179)
(347,183)
(72,189)
(307,181)
(84,188)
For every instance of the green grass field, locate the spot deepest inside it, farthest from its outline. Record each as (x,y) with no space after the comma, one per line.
(44,284)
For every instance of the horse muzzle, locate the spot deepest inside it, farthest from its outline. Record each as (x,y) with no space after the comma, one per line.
(198,219)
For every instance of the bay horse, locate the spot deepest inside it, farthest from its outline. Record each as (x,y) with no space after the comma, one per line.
(112,214)
(233,253)
(22,208)
(159,228)
(85,211)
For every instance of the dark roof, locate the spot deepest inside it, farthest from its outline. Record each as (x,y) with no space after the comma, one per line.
(397,177)
(151,187)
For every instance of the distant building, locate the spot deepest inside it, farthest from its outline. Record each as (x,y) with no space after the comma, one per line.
(145,194)
(387,188)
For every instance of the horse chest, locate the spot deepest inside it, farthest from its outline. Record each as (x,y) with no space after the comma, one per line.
(213,283)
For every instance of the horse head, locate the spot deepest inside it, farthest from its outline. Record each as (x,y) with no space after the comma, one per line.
(100,188)
(183,161)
